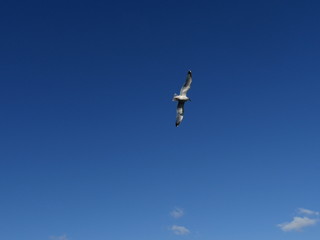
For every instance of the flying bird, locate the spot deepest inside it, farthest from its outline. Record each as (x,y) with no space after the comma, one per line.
(182,98)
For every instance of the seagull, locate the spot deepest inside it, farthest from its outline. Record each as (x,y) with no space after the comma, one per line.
(182,98)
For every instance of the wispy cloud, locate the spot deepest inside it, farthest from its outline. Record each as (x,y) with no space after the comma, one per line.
(308,212)
(297,224)
(180,230)
(62,237)
(177,213)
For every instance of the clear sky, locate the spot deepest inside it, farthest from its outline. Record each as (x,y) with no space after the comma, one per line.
(88,143)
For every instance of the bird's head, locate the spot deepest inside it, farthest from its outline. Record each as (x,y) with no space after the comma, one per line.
(175,97)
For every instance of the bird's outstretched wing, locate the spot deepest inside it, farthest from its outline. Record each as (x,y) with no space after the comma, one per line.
(180,111)
(187,84)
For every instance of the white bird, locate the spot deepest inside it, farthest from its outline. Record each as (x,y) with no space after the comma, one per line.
(182,98)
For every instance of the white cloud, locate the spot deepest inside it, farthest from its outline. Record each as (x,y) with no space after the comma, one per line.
(297,224)
(308,212)
(177,213)
(180,230)
(62,237)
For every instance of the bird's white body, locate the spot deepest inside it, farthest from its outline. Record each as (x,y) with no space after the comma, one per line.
(180,98)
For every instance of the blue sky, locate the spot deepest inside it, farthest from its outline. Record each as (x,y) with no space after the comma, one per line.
(88,143)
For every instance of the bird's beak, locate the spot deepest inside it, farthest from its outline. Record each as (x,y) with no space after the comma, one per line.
(189,99)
